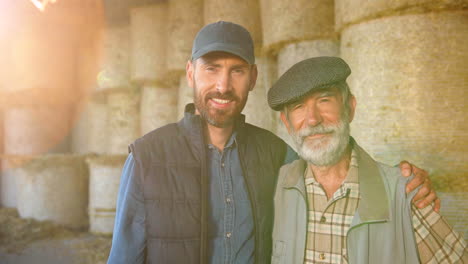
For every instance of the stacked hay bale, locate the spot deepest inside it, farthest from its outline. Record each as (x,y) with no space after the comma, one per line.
(409,61)
(247,14)
(104,181)
(183,26)
(296,30)
(55,188)
(149,33)
(39,91)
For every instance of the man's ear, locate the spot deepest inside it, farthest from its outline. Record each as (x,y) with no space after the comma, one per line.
(189,71)
(253,77)
(285,121)
(352,106)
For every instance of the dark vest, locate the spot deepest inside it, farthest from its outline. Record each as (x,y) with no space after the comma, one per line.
(171,162)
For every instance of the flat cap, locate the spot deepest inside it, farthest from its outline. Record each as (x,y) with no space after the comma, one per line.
(305,76)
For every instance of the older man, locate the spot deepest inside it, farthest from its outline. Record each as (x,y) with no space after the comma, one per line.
(336,204)
(201,190)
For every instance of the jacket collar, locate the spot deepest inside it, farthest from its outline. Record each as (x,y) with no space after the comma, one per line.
(373,205)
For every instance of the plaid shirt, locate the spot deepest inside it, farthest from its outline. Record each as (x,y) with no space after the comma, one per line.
(330,220)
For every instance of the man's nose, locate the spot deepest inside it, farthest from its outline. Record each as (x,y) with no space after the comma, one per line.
(313,116)
(223,84)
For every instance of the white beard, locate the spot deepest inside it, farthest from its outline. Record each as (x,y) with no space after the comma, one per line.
(324,151)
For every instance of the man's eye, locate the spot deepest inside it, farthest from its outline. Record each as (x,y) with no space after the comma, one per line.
(238,71)
(210,68)
(325,99)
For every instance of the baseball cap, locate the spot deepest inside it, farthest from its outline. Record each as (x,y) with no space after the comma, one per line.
(224,36)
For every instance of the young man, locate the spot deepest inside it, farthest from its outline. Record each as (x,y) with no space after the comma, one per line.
(201,190)
(336,204)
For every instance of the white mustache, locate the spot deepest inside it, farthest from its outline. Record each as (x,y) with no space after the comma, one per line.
(320,129)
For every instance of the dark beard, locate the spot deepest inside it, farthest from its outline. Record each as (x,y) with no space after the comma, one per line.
(220,118)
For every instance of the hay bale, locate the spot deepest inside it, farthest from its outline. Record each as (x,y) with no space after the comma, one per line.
(55,188)
(104,180)
(355,11)
(409,77)
(123,120)
(296,52)
(148,27)
(158,107)
(41,59)
(454,207)
(114,69)
(183,26)
(290,21)
(256,110)
(8,172)
(37,129)
(243,12)
(185,96)
(97,130)
(80,126)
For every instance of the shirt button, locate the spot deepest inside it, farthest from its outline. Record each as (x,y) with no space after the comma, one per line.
(222,164)
(323,219)
(322,256)
(228,200)
(228,235)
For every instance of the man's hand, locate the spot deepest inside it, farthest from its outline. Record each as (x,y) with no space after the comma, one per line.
(426,195)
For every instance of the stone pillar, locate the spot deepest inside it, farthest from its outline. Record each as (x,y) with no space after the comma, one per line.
(185,96)
(158,107)
(105,172)
(123,119)
(409,77)
(55,188)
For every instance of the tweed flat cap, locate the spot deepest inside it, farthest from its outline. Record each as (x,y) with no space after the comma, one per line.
(305,76)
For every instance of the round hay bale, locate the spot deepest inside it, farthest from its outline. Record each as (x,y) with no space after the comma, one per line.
(104,180)
(123,119)
(158,107)
(243,12)
(55,188)
(185,96)
(409,77)
(80,124)
(115,63)
(289,21)
(148,42)
(37,129)
(296,52)
(97,130)
(41,63)
(256,110)
(8,173)
(356,11)
(183,26)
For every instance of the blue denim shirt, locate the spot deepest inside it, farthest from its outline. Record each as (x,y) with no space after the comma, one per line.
(234,217)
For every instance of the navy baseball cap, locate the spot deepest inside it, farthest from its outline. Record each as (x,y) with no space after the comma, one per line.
(224,36)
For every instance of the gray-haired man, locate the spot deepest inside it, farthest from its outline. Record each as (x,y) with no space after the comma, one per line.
(336,204)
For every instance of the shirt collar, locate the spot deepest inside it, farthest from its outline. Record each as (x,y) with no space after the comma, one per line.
(373,204)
